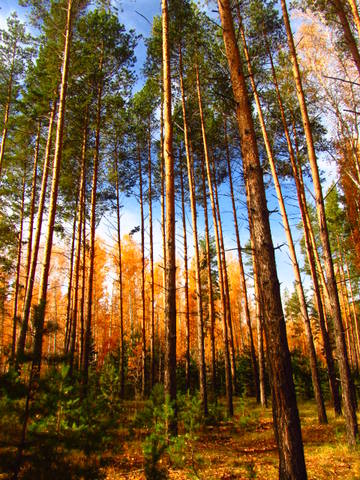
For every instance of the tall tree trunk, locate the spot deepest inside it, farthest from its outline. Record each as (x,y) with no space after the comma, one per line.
(88,333)
(80,220)
(83,289)
(200,314)
(68,325)
(298,282)
(152,296)
(39,313)
(228,366)
(243,286)
(143,316)
(348,393)
(7,108)
(285,412)
(18,267)
(121,305)
(186,286)
(211,306)
(170,266)
(32,206)
(32,263)
(309,247)
(226,281)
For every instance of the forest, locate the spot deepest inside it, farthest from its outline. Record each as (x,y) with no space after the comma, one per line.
(179,239)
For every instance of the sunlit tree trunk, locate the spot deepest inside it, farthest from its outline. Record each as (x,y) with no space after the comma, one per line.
(186,286)
(18,267)
(244,299)
(32,262)
(152,297)
(32,206)
(80,220)
(309,247)
(170,265)
(7,108)
(39,313)
(200,316)
(68,325)
(298,282)
(285,412)
(143,316)
(226,281)
(121,304)
(211,306)
(88,329)
(228,376)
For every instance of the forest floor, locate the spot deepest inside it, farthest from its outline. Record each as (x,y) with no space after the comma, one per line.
(245,448)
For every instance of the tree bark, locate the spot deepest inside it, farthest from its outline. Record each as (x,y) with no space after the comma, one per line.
(186,286)
(7,108)
(348,393)
(152,296)
(80,221)
(200,314)
(170,266)
(285,412)
(18,267)
(88,333)
(211,306)
(242,271)
(39,313)
(32,206)
(32,263)
(228,366)
(143,316)
(298,282)
(309,247)
(121,305)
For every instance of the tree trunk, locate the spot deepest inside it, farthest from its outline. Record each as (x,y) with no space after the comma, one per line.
(228,376)
(143,316)
(39,313)
(32,263)
(345,375)
(170,266)
(285,412)
(7,108)
(68,325)
(18,267)
(210,286)
(186,286)
(88,334)
(309,247)
(200,314)
(152,296)
(242,271)
(298,282)
(80,221)
(121,310)
(226,281)
(32,206)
